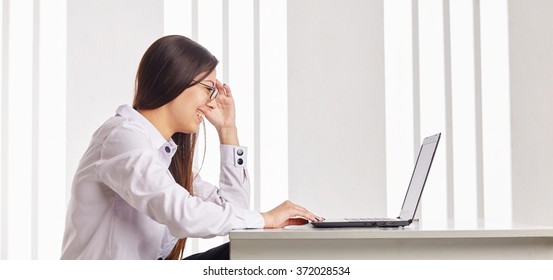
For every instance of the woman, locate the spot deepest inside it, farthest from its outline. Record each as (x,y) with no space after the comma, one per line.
(134,195)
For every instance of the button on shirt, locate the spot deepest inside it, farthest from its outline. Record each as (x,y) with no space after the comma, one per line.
(125,204)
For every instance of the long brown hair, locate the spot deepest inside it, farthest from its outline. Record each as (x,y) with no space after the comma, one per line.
(167,68)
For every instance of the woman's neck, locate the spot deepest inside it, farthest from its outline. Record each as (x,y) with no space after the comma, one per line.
(158,118)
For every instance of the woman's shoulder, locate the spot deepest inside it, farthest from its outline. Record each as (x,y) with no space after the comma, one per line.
(122,131)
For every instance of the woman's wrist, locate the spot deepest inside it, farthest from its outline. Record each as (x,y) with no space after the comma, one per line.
(228,136)
(265,219)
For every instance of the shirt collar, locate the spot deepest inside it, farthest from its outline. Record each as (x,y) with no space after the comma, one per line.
(157,139)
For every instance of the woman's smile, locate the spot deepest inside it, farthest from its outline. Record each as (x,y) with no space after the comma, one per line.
(200,115)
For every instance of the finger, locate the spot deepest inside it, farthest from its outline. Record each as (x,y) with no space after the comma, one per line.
(307,214)
(227,90)
(300,211)
(220,87)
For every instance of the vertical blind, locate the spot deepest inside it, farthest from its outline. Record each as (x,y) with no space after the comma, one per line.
(33,191)
(447,71)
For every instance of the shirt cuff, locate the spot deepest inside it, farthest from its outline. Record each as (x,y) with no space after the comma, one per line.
(251,219)
(234,155)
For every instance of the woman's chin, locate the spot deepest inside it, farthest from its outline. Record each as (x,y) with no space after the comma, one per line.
(191,129)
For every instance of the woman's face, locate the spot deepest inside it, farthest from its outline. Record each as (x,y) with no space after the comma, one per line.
(186,117)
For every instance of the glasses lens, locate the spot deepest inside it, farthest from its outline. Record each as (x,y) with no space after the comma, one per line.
(214,93)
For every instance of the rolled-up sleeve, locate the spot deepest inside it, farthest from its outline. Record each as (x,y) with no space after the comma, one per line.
(134,171)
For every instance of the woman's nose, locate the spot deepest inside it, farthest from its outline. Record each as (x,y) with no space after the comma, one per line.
(211,103)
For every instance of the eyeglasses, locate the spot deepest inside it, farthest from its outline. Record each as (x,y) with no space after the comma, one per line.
(213,92)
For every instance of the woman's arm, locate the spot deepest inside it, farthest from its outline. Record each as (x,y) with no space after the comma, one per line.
(234,185)
(131,168)
(221,113)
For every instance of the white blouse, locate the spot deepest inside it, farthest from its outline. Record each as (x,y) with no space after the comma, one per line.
(125,204)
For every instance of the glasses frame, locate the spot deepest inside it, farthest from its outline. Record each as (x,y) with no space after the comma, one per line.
(213,92)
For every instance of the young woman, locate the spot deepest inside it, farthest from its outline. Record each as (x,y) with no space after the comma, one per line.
(134,195)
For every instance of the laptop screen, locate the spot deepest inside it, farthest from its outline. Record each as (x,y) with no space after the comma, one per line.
(418,179)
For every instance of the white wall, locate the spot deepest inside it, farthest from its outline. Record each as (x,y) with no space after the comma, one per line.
(336,120)
(531,64)
(105,41)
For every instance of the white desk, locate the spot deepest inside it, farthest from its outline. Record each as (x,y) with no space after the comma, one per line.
(420,240)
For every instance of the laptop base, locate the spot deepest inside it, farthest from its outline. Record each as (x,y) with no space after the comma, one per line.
(368,223)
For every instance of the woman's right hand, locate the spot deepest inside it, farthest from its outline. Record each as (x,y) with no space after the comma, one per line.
(287,214)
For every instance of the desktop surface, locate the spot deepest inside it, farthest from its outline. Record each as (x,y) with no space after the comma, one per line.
(416,230)
(421,240)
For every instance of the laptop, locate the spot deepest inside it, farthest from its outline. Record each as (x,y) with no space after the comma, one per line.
(412,197)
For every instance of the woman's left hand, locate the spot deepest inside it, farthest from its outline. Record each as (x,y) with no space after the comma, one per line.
(221,113)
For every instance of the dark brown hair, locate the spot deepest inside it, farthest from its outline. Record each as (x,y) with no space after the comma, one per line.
(167,68)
